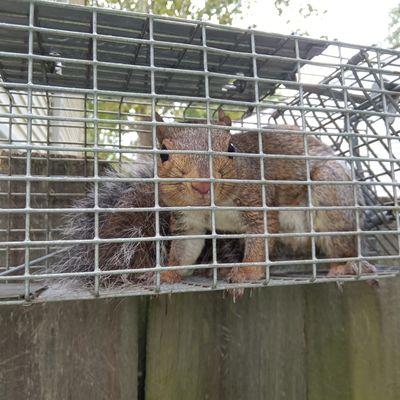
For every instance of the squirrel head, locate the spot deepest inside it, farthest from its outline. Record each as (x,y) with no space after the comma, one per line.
(174,165)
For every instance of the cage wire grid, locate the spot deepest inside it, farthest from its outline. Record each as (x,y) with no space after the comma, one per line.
(80,88)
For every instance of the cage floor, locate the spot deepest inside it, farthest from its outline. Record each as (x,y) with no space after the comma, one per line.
(14,292)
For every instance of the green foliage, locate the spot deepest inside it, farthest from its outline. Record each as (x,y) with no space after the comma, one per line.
(280,5)
(221,11)
(394,27)
(111,133)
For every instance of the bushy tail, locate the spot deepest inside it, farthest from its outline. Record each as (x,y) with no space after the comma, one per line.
(128,255)
(112,256)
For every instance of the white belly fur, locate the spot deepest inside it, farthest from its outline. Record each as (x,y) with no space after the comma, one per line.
(197,222)
(293,221)
(228,221)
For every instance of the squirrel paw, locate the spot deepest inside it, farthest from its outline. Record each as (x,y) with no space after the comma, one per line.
(241,275)
(170,277)
(236,275)
(350,268)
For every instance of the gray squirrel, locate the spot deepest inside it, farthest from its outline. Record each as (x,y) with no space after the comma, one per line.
(128,255)
(119,194)
(247,194)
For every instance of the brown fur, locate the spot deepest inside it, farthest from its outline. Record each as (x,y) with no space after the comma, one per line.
(132,255)
(185,252)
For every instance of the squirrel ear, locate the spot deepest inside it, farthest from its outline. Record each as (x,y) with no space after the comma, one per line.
(160,130)
(224,118)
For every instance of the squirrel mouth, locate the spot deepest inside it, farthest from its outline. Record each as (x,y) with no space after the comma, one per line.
(203,200)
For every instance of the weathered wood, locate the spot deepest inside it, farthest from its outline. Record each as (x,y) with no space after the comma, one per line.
(328,348)
(43,195)
(353,341)
(305,343)
(202,346)
(71,350)
(315,342)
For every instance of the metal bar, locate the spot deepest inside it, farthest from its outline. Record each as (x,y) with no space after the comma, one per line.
(33,262)
(62,146)
(154,158)
(9,192)
(150,269)
(193,208)
(210,158)
(310,215)
(352,143)
(28,156)
(262,172)
(189,237)
(180,99)
(96,154)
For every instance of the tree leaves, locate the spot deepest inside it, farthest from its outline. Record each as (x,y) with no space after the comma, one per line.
(394,27)
(220,11)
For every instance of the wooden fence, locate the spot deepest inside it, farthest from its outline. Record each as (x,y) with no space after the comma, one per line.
(305,342)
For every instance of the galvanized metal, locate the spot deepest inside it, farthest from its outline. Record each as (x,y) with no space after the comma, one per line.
(346,95)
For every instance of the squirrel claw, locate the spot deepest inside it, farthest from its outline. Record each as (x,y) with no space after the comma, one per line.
(241,275)
(236,276)
(350,268)
(170,277)
(236,293)
(373,283)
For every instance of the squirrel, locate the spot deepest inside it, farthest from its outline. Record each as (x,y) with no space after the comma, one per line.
(114,193)
(198,193)
(120,194)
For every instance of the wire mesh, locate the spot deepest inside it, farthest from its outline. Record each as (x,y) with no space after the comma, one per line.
(80,93)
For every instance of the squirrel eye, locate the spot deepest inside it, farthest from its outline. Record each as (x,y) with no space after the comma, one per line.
(164,157)
(231,149)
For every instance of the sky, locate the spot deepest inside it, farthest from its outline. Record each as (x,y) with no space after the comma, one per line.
(356,21)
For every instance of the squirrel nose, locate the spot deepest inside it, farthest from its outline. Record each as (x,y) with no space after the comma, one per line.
(201,187)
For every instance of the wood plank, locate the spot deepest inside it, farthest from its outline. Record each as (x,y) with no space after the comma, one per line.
(70,350)
(328,347)
(204,346)
(353,341)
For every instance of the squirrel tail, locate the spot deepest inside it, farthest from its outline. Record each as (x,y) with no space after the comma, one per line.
(114,193)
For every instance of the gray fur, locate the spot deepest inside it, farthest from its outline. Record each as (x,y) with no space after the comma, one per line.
(117,194)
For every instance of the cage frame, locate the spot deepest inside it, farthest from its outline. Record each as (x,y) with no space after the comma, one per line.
(95,93)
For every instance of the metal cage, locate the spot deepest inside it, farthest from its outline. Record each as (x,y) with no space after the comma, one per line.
(80,87)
